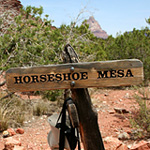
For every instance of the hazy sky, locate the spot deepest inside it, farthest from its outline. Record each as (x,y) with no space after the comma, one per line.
(113,15)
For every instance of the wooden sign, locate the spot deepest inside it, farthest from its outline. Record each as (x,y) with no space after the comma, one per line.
(76,75)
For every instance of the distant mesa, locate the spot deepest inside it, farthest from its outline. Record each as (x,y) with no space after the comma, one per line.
(96,29)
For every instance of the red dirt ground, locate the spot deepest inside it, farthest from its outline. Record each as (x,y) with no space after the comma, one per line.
(110,122)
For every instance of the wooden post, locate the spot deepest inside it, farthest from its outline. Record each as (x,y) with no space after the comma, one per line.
(88,117)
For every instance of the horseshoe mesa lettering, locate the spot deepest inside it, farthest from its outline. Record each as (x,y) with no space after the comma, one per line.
(68,76)
(76,75)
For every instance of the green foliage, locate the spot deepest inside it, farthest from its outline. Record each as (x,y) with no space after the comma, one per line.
(31,41)
(26,42)
(130,45)
(52,95)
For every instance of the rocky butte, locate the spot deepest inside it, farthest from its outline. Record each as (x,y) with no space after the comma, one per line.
(96,29)
(10,6)
(8,10)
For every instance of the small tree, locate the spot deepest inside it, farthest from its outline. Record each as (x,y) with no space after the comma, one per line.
(31,40)
(130,45)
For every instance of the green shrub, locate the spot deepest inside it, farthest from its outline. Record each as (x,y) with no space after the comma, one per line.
(131,45)
(51,95)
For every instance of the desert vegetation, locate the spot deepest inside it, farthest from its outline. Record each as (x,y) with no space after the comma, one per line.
(31,40)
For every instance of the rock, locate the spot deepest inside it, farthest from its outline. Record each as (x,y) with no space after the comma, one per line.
(120,100)
(111,143)
(111,111)
(5,134)
(19,148)
(106,94)
(11,131)
(142,145)
(20,131)
(12,7)
(10,143)
(121,110)
(128,131)
(122,147)
(96,29)
(127,96)
(123,136)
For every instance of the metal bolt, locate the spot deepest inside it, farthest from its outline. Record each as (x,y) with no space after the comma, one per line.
(72,83)
(72,69)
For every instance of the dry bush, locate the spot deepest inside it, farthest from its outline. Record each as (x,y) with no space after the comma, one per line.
(141,120)
(13,112)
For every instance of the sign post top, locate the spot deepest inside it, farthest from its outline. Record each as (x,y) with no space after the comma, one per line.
(76,75)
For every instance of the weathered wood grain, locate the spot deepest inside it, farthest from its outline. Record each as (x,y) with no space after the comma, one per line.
(93,74)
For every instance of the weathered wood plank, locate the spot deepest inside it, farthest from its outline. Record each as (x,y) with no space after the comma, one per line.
(93,74)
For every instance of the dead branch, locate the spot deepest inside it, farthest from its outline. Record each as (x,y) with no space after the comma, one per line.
(8,95)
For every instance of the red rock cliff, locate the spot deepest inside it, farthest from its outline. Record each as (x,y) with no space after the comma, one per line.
(96,28)
(10,4)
